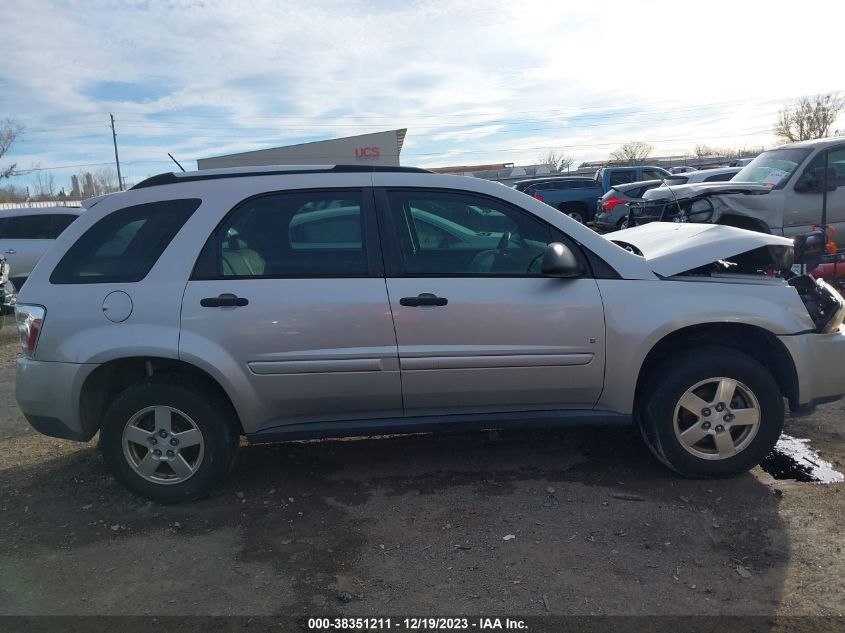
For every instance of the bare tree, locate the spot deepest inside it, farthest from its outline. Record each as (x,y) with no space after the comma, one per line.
(556,160)
(10,193)
(810,118)
(88,185)
(45,184)
(702,150)
(9,133)
(632,153)
(105,181)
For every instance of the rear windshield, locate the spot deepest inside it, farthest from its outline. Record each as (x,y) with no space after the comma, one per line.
(124,245)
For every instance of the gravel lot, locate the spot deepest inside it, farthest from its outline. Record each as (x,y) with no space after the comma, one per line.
(419,525)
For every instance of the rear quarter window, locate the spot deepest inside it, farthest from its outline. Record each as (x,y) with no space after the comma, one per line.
(124,245)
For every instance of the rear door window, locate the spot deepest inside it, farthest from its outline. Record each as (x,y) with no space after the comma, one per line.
(289,235)
(124,245)
(621,176)
(653,174)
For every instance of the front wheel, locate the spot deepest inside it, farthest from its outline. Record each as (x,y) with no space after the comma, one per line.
(169,439)
(713,413)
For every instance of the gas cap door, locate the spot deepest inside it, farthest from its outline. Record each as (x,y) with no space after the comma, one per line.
(117,306)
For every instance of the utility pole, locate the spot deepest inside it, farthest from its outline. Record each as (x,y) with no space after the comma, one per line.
(116,159)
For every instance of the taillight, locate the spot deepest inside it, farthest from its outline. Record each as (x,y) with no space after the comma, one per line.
(610,203)
(539,197)
(30,319)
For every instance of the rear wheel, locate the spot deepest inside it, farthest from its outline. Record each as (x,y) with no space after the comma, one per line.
(574,212)
(169,439)
(714,413)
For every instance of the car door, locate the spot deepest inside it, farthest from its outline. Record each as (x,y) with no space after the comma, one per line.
(479,328)
(23,240)
(290,289)
(804,208)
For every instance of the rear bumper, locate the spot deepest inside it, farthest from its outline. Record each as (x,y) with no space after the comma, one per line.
(48,394)
(820,366)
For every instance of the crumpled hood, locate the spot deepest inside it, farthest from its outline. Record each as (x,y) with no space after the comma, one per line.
(681,192)
(671,248)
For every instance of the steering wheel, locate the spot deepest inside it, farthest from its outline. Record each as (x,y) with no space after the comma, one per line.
(507,236)
(503,243)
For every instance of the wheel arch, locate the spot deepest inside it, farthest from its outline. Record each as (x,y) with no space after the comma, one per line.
(744,222)
(756,342)
(103,384)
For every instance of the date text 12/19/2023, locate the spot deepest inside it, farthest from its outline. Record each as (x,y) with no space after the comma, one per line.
(416,624)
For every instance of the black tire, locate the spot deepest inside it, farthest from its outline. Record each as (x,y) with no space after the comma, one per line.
(670,381)
(574,212)
(212,415)
(622,224)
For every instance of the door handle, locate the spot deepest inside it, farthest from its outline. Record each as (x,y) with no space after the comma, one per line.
(11,251)
(224,301)
(424,299)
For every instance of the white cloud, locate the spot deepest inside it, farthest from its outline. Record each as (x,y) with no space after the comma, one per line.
(473,81)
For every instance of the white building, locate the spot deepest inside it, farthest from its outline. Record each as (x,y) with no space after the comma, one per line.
(378,148)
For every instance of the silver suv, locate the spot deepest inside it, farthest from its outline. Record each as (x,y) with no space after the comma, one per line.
(312,302)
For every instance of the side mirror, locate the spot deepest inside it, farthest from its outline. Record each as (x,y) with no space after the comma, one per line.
(813,181)
(810,248)
(559,261)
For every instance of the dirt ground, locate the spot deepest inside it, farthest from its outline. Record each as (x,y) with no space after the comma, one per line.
(581,521)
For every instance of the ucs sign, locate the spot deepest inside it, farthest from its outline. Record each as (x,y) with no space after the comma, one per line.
(366,152)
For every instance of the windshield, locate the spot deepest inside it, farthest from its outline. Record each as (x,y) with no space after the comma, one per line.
(774,167)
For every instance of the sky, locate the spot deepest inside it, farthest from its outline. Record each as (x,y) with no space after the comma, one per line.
(474,82)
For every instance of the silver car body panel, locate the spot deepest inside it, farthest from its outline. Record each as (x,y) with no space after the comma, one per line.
(500,344)
(638,315)
(304,350)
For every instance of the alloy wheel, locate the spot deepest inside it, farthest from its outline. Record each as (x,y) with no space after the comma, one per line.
(163,445)
(716,418)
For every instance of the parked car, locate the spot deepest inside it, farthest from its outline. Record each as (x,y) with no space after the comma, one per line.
(682,169)
(282,303)
(612,210)
(8,294)
(26,234)
(547,182)
(780,192)
(609,177)
(574,196)
(579,197)
(717,174)
(740,162)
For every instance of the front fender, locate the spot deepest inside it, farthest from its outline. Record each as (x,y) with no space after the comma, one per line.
(639,314)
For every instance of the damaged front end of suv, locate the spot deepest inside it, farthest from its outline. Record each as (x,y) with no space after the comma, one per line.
(702,202)
(724,253)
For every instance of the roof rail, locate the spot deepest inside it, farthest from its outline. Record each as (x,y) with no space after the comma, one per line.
(170,178)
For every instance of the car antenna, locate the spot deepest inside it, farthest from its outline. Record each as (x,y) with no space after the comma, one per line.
(674,197)
(175,161)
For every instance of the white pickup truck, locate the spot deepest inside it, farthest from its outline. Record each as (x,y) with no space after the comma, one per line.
(780,192)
